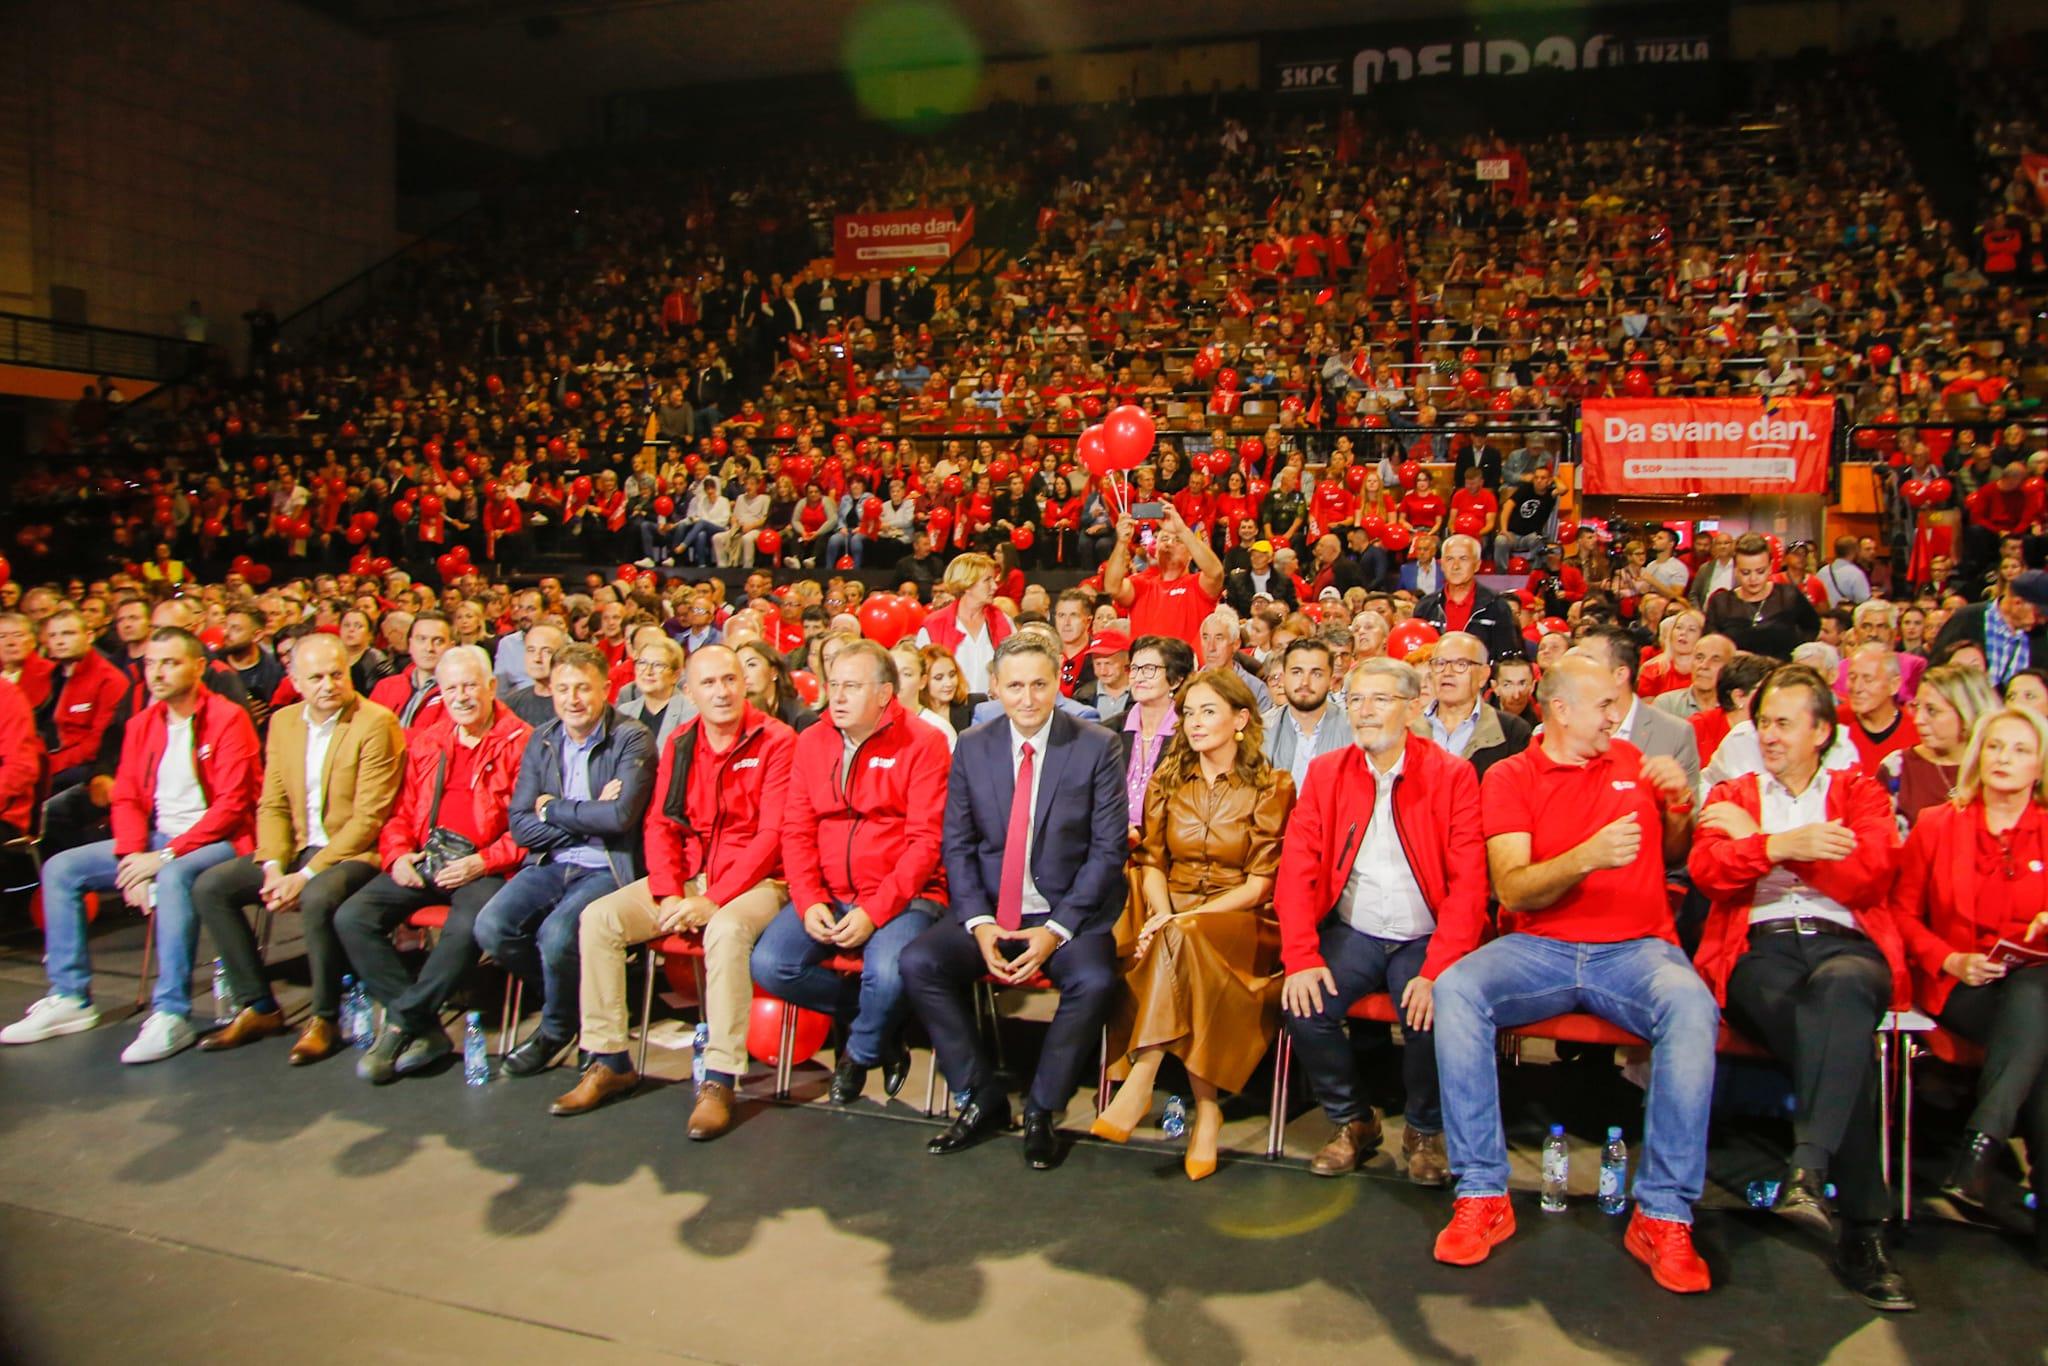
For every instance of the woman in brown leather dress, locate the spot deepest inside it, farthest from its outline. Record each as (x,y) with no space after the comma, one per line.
(1198,943)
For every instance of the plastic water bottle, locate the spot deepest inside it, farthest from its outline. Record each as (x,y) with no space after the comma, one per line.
(1557,1169)
(1614,1172)
(699,1043)
(1762,1194)
(355,1013)
(223,996)
(476,1058)
(1173,1122)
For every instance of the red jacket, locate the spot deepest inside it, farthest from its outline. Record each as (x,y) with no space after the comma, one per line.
(874,843)
(1935,899)
(732,802)
(35,680)
(226,756)
(427,746)
(22,761)
(394,691)
(943,628)
(85,708)
(1436,816)
(1726,871)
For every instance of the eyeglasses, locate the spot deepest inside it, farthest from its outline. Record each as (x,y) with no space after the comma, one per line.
(1454,666)
(1147,670)
(652,664)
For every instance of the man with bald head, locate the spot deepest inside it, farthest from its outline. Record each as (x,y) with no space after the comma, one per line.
(1578,828)
(1709,657)
(330,779)
(714,867)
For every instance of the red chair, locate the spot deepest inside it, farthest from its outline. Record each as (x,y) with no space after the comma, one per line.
(430,921)
(845,964)
(1378,1007)
(1947,1047)
(688,944)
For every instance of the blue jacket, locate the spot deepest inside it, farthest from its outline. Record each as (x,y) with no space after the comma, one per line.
(624,750)
(1078,844)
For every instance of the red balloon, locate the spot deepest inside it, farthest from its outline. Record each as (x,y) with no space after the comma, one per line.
(1502,402)
(1471,522)
(1471,380)
(356,535)
(1408,473)
(1410,636)
(764,1031)
(1022,537)
(494,384)
(1091,406)
(580,486)
(233,426)
(448,566)
(664,506)
(212,526)
(1397,537)
(1251,450)
(939,523)
(1228,379)
(954,486)
(1881,355)
(1128,433)
(557,447)
(573,399)
(1636,383)
(1917,492)
(1093,449)
(879,620)
(769,542)
(807,686)
(1374,526)
(1354,478)
(6,571)
(1553,626)
(845,562)
(402,510)
(1942,488)
(1518,564)
(626,573)
(431,505)
(1470,355)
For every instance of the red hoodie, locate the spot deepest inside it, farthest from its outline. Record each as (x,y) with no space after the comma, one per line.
(1436,816)
(873,843)
(733,802)
(21,760)
(497,772)
(227,758)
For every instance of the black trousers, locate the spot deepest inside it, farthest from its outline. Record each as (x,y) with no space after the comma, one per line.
(939,971)
(2009,1018)
(365,923)
(1814,1001)
(1362,965)
(70,819)
(224,890)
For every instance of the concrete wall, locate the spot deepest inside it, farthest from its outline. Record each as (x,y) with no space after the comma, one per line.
(226,150)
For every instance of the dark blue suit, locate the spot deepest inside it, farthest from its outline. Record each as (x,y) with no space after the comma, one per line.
(1078,850)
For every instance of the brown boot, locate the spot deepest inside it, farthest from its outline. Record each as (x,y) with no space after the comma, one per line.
(1424,1155)
(247,1027)
(713,1113)
(597,1085)
(1351,1145)
(318,1040)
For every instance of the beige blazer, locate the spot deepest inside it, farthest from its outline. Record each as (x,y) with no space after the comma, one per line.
(359,785)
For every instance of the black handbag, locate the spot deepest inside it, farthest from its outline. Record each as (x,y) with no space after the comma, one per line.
(443,845)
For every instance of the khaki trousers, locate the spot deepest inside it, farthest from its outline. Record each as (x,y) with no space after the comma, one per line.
(614,923)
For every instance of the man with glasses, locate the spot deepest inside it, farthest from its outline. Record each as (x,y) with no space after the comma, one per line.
(860,850)
(1382,886)
(1456,716)
(1308,726)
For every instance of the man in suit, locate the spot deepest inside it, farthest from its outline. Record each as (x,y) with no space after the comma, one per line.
(583,789)
(1455,713)
(330,779)
(2012,632)
(1243,584)
(1035,840)
(1651,731)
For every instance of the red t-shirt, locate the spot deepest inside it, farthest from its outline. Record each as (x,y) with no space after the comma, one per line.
(458,802)
(1457,613)
(1422,509)
(1871,752)
(1160,608)
(1559,806)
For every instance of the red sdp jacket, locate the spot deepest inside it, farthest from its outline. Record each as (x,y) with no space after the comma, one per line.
(428,746)
(874,843)
(733,805)
(227,758)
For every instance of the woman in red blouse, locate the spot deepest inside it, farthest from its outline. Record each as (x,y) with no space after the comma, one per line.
(1975,871)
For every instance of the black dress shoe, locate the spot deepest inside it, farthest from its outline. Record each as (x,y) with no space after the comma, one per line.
(849,1079)
(1864,1263)
(978,1119)
(532,1057)
(1969,1179)
(1041,1141)
(1803,1199)
(895,1070)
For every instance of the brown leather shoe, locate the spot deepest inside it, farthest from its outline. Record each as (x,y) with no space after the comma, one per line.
(1351,1145)
(319,1040)
(713,1113)
(1424,1153)
(247,1027)
(597,1085)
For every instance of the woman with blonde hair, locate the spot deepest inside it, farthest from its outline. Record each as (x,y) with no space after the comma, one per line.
(913,688)
(1671,669)
(968,626)
(1198,943)
(1946,706)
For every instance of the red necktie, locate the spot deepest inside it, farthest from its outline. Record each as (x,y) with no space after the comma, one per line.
(1010,899)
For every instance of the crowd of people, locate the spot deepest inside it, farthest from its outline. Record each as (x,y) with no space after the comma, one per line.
(1198,828)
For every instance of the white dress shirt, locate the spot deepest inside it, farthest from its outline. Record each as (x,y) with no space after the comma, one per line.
(976,655)
(1381,897)
(319,739)
(180,801)
(1780,893)
(1033,902)
(1740,753)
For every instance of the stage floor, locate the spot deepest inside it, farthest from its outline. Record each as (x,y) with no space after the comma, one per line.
(214,1207)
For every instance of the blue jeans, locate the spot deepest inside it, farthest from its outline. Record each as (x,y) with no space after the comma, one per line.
(1508,545)
(68,876)
(786,961)
(656,544)
(530,926)
(696,542)
(1645,986)
(845,542)
(1363,964)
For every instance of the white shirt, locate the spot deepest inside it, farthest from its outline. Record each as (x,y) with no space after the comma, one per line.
(180,801)
(1671,573)
(1034,902)
(1845,582)
(1717,577)
(1780,893)
(976,655)
(939,722)
(1739,754)
(1627,729)
(1381,897)
(319,738)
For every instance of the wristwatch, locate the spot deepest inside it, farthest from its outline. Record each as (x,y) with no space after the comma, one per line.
(168,854)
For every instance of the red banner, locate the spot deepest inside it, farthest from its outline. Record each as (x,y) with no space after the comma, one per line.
(2036,167)
(1706,445)
(885,243)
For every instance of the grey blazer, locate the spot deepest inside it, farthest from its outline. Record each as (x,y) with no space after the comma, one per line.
(679,710)
(1659,732)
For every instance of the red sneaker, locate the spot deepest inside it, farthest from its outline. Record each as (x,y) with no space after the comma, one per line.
(1665,1246)
(1478,1224)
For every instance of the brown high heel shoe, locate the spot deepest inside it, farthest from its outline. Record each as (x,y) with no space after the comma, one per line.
(1108,1132)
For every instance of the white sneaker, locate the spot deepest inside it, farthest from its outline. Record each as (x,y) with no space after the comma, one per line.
(51,1017)
(162,1036)
(644,562)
